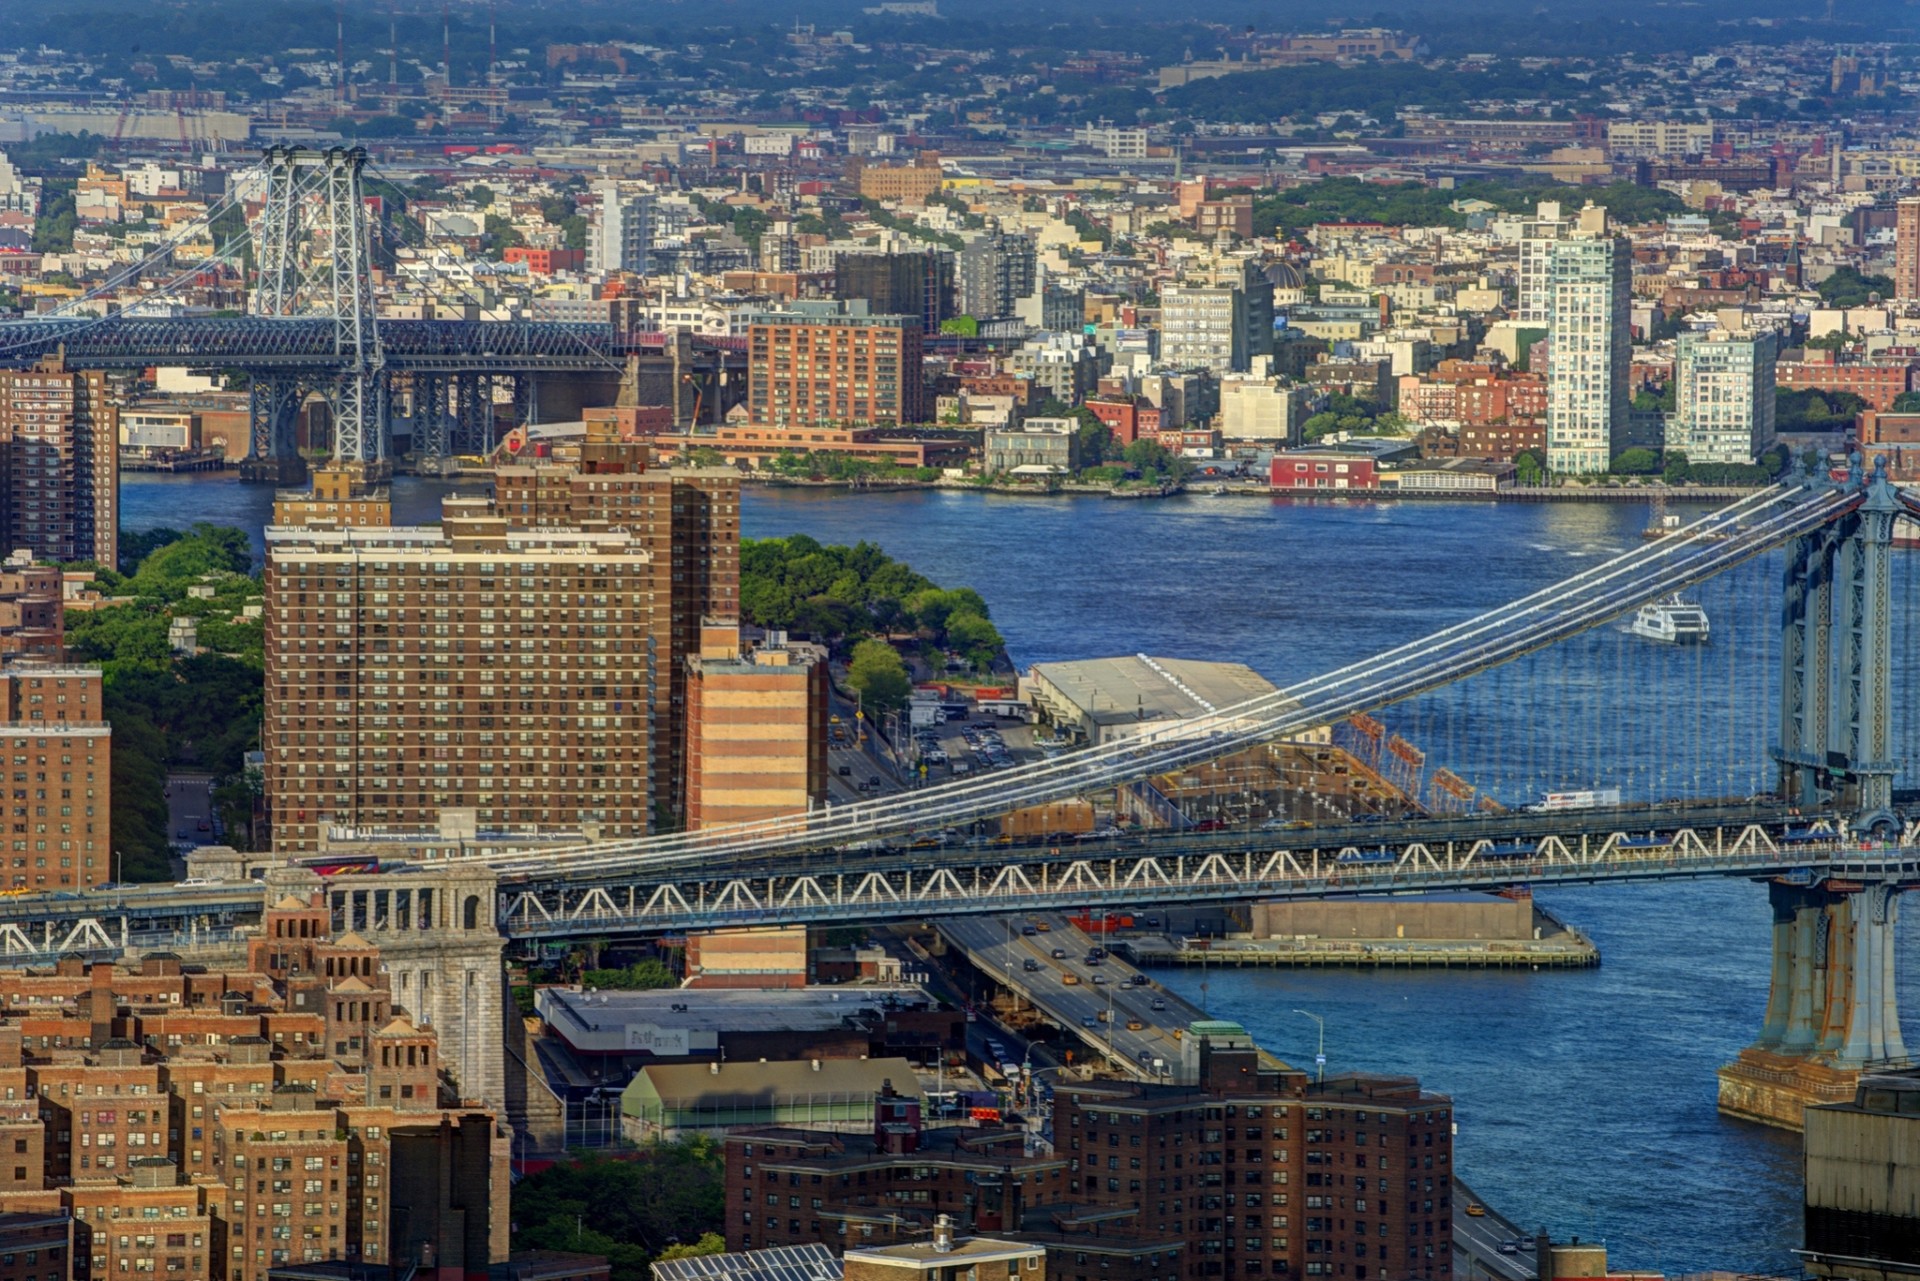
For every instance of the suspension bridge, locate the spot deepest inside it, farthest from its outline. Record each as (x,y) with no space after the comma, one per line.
(1806,798)
(315,330)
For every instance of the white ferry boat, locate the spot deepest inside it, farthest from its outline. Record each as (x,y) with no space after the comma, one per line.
(1673,621)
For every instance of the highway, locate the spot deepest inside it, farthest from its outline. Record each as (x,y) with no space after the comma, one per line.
(1477,1240)
(998,946)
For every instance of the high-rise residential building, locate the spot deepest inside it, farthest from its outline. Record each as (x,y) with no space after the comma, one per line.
(817,363)
(469,666)
(1906,248)
(918,284)
(620,234)
(1590,278)
(995,272)
(59,463)
(1723,404)
(1219,318)
(53,727)
(1533,303)
(687,519)
(756,727)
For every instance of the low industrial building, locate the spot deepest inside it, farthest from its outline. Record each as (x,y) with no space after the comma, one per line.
(614,1033)
(665,1100)
(1863,1183)
(1097,700)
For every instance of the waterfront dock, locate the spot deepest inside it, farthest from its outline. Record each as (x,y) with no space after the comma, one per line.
(173,460)
(1452,932)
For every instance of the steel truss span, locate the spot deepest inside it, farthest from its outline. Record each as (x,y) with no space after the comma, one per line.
(1590,599)
(307,343)
(669,901)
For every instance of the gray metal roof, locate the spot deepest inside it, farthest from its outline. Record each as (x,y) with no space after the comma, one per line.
(810,1262)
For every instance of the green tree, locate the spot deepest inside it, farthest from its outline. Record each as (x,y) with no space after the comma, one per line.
(630,1210)
(709,1243)
(644,975)
(1148,455)
(880,677)
(1847,287)
(1907,402)
(1096,442)
(1636,462)
(1674,468)
(1528,468)
(974,637)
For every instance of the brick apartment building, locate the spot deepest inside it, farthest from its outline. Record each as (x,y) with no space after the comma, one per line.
(413,670)
(552,716)
(59,463)
(196,1123)
(54,734)
(834,363)
(1878,382)
(1251,1172)
(756,723)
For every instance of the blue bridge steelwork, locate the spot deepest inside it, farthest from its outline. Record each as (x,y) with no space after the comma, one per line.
(1831,842)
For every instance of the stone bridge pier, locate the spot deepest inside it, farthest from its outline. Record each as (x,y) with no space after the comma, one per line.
(1832,1011)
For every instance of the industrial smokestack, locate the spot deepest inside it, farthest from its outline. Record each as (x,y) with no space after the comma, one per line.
(446,42)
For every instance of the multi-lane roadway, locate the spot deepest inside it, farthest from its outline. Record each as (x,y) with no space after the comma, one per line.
(1098,1007)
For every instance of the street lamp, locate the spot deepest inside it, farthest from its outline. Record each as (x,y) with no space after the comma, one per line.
(1320,1056)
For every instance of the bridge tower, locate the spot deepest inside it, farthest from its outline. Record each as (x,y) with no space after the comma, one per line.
(315,260)
(1836,647)
(1831,1008)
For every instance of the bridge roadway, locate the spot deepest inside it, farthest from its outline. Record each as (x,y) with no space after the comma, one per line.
(942,882)
(1000,949)
(294,344)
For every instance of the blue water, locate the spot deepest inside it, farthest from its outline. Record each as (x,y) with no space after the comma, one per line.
(1585,1099)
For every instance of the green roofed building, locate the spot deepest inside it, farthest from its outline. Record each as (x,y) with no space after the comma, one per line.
(664,1100)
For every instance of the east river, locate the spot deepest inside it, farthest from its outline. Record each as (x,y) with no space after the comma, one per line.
(1585,1099)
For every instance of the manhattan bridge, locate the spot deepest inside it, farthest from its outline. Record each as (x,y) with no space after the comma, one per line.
(1773,755)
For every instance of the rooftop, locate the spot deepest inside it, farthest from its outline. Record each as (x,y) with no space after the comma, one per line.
(1111,691)
(731,1009)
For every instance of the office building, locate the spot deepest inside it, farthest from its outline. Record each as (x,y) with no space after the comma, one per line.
(1533,301)
(1723,397)
(1862,1184)
(1906,249)
(469,666)
(136,1094)
(1589,278)
(59,463)
(995,272)
(818,364)
(620,233)
(54,730)
(756,723)
(918,284)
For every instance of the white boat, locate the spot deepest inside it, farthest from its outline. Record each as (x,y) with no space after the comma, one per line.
(1674,621)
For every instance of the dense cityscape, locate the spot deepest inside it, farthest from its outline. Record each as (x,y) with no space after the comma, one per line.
(802,640)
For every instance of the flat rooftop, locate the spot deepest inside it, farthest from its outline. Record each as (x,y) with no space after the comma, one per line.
(801,1009)
(1112,691)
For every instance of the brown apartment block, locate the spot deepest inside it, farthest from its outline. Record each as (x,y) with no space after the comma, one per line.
(59,463)
(198,1124)
(470,666)
(819,363)
(687,519)
(340,496)
(756,728)
(32,610)
(56,743)
(1251,1172)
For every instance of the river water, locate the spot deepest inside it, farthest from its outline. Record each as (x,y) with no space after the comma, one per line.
(1585,1099)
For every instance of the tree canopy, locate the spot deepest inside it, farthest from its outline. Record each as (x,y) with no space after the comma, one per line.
(631,1209)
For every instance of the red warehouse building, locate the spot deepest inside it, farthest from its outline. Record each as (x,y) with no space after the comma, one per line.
(1324,469)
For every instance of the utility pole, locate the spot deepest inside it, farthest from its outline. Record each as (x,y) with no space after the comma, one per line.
(1320,1056)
